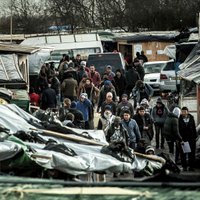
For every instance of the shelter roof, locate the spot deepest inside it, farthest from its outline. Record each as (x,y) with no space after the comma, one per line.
(148,36)
(15,48)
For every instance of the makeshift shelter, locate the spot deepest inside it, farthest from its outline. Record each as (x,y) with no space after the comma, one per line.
(190,82)
(14,71)
(152,43)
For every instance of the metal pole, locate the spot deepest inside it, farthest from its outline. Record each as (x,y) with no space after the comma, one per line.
(199,26)
(11,21)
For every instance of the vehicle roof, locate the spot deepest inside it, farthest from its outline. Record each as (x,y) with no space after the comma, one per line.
(104,53)
(155,62)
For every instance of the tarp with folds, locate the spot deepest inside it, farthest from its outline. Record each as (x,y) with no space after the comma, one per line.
(88,159)
(190,69)
(9,69)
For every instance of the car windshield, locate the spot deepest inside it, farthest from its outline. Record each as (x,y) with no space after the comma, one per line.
(100,61)
(153,68)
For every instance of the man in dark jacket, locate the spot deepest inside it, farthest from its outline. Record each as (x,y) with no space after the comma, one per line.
(139,68)
(188,132)
(145,124)
(132,77)
(48,99)
(171,129)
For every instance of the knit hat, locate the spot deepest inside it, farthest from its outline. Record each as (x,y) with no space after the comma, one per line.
(149,148)
(109,67)
(117,119)
(73,104)
(84,95)
(108,107)
(124,95)
(177,111)
(144,102)
(83,63)
(159,100)
(107,82)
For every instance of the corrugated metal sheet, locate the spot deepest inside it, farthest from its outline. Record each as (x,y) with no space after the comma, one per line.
(190,69)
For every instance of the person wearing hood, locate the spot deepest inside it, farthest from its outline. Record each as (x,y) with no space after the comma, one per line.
(106,120)
(171,129)
(159,114)
(140,91)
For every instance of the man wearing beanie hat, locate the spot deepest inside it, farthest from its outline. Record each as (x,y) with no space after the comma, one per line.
(124,105)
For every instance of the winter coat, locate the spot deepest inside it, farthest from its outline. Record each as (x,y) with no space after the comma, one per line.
(102,95)
(69,87)
(95,77)
(159,120)
(147,121)
(123,134)
(148,90)
(48,99)
(84,108)
(171,128)
(132,77)
(104,124)
(112,104)
(187,130)
(133,130)
(122,106)
(120,84)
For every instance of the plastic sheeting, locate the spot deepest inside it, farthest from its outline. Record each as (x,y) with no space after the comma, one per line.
(190,69)
(170,51)
(89,157)
(9,69)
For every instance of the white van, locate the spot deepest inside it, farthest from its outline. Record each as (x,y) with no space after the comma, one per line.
(83,44)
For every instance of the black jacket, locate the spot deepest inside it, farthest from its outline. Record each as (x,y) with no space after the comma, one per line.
(187,130)
(146,122)
(171,128)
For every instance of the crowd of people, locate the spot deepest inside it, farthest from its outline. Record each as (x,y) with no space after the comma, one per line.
(76,91)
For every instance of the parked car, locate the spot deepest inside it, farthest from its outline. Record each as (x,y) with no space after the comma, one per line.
(101,60)
(169,81)
(152,73)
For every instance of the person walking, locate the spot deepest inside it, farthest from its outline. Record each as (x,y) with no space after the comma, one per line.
(145,124)
(171,129)
(84,105)
(48,97)
(188,133)
(141,91)
(132,129)
(159,114)
(124,105)
(69,87)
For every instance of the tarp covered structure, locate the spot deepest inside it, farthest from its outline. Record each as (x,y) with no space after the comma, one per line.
(9,69)
(88,158)
(190,69)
